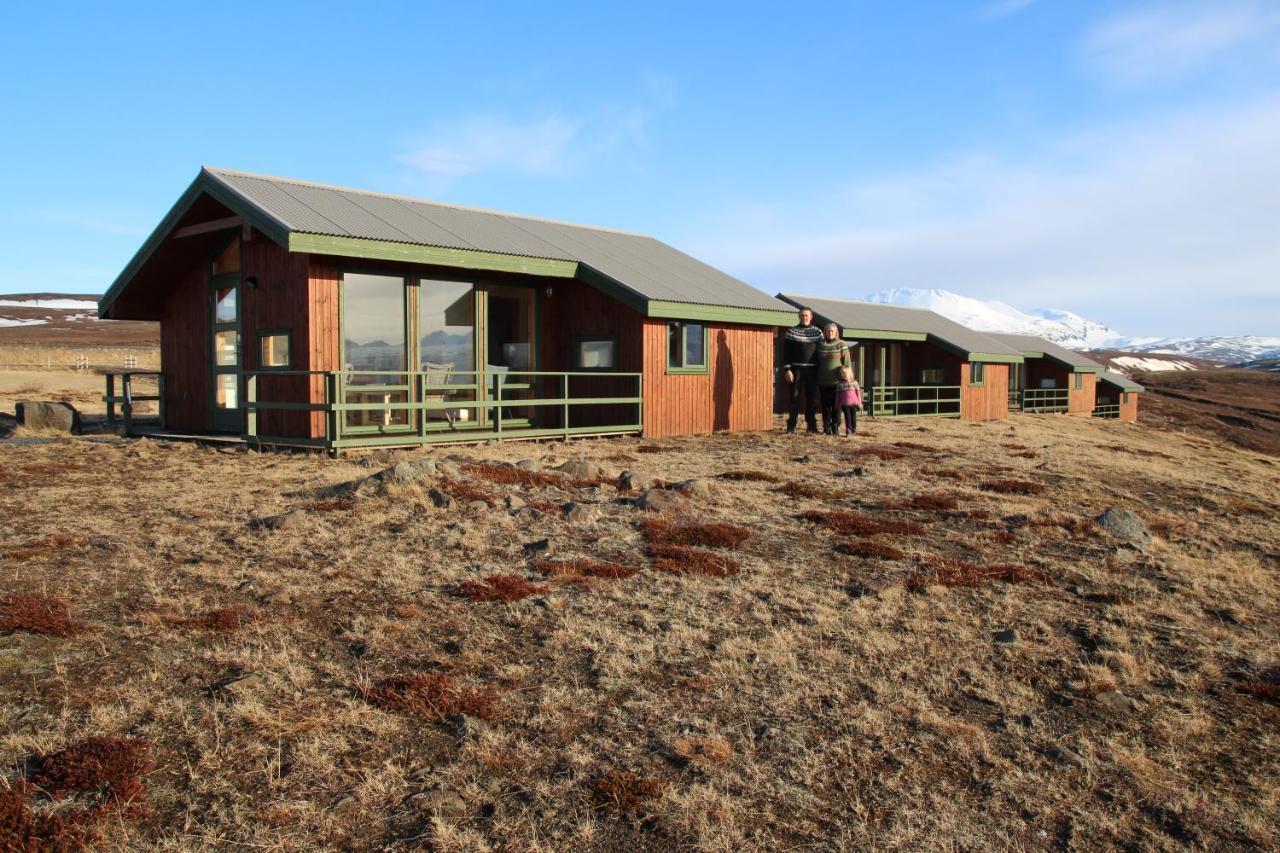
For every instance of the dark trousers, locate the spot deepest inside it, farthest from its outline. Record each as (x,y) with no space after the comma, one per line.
(850,418)
(806,385)
(830,411)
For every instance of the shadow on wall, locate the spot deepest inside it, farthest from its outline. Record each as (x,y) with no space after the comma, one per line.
(722,389)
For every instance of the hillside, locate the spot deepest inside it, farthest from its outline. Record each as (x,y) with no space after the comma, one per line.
(917,638)
(1238,406)
(67,320)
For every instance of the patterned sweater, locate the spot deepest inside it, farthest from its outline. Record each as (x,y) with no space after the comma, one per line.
(800,346)
(832,355)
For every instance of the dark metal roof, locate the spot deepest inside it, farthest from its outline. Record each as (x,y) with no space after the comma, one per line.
(1124,383)
(639,263)
(1029,344)
(858,317)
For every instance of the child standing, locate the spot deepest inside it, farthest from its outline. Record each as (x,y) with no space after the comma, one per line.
(849,398)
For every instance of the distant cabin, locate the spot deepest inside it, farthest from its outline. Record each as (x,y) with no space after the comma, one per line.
(1117,397)
(300,313)
(1052,379)
(913,362)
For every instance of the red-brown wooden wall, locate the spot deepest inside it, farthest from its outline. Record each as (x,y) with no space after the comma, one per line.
(278,301)
(736,393)
(1081,402)
(1129,410)
(990,402)
(185,352)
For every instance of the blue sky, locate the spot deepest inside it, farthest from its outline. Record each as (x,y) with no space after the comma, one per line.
(1114,159)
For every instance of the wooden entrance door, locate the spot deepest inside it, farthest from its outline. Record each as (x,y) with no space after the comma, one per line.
(227,413)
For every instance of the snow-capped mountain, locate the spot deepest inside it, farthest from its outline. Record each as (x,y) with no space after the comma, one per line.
(1061,327)
(1231,349)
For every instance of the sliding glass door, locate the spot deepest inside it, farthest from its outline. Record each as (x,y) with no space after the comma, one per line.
(447,352)
(375,351)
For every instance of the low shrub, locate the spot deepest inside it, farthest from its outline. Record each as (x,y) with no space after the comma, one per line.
(230,618)
(859,524)
(1012,487)
(511,475)
(623,791)
(946,473)
(504,588)
(660,531)
(108,768)
(924,502)
(466,492)
(433,697)
(871,550)
(568,569)
(880,452)
(683,560)
(950,572)
(46,547)
(751,476)
(35,613)
(797,489)
(913,445)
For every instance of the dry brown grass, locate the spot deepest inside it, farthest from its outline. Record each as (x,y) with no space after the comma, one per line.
(870,549)
(500,588)
(569,569)
(683,560)
(947,571)
(716,534)
(860,524)
(36,613)
(934,501)
(799,489)
(1012,487)
(750,476)
(49,546)
(623,791)
(885,453)
(431,697)
(232,617)
(466,492)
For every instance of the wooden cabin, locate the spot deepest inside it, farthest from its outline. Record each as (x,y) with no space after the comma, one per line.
(1052,379)
(305,314)
(912,362)
(1117,397)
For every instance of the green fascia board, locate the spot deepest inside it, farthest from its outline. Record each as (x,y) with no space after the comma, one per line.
(993,358)
(203,184)
(719,313)
(882,335)
(386,250)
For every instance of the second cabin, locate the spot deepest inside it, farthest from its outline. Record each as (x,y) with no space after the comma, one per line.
(912,362)
(1052,378)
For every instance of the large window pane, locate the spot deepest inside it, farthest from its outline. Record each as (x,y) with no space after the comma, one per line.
(373,320)
(695,354)
(224,348)
(224,309)
(674,345)
(447,324)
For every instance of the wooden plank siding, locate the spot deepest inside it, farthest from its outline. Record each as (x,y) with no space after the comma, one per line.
(278,302)
(322,345)
(1129,410)
(735,394)
(185,352)
(990,402)
(1081,402)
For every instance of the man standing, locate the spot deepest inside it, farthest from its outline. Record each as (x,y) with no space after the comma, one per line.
(800,368)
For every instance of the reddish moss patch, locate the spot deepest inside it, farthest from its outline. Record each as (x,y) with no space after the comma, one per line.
(38,614)
(1004,537)
(588,482)
(406,610)
(623,791)
(946,473)
(466,492)
(750,476)
(233,617)
(341,504)
(683,560)
(650,448)
(504,588)
(880,452)
(47,547)
(859,524)
(435,696)
(660,531)
(946,571)
(870,550)
(545,506)
(568,569)
(796,489)
(511,475)
(914,445)
(925,502)
(1012,487)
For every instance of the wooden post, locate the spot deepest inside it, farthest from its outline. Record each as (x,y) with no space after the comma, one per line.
(565,387)
(160,402)
(111,402)
(332,385)
(250,407)
(127,406)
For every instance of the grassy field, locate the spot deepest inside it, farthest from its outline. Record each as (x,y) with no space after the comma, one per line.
(918,638)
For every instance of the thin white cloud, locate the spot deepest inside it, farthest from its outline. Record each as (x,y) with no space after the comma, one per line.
(1162,227)
(474,144)
(1145,45)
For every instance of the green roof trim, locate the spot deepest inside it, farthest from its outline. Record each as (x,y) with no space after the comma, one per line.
(718,313)
(882,335)
(386,250)
(993,358)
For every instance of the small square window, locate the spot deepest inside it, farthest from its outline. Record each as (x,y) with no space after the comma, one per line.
(597,354)
(686,347)
(931,376)
(1079,381)
(977,373)
(273,349)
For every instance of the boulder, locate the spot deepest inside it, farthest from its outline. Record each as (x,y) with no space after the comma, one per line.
(529,465)
(1125,526)
(1008,635)
(580,469)
(697,488)
(49,417)
(410,471)
(634,481)
(442,500)
(577,512)
(292,520)
(662,500)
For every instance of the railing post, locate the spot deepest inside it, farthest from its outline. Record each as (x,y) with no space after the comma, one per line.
(111,402)
(250,405)
(332,385)
(497,412)
(127,406)
(564,424)
(160,401)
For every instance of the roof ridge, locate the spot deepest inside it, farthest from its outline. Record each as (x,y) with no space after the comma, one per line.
(868,302)
(217,170)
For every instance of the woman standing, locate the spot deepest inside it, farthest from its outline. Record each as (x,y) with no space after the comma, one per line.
(833,354)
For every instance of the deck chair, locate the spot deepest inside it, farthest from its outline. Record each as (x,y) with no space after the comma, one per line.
(437,374)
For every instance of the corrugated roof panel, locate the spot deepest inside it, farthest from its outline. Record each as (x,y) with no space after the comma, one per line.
(1031,343)
(487,232)
(876,316)
(1119,380)
(350,220)
(273,198)
(403,217)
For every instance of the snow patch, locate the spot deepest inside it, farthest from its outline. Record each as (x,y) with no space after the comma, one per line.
(8,322)
(1130,362)
(57,304)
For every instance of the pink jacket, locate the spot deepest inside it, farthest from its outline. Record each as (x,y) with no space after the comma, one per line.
(851,396)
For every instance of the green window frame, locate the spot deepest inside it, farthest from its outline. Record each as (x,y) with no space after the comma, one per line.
(579,340)
(933,376)
(977,374)
(679,334)
(1124,398)
(1079,381)
(263,335)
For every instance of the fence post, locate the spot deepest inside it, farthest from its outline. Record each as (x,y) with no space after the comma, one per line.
(250,405)
(160,402)
(127,406)
(332,385)
(497,395)
(564,386)
(111,402)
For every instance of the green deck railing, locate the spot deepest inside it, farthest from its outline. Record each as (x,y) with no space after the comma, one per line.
(126,399)
(1015,399)
(401,408)
(915,401)
(1106,410)
(1044,400)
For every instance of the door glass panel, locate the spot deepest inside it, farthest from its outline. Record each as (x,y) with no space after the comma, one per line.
(373,316)
(224,307)
(447,348)
(510,347)
(225,385)
(224,348)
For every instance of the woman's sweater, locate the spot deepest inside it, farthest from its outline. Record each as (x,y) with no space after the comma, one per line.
(832,355)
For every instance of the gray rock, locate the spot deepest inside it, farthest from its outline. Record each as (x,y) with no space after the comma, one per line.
(441,802)
(49,416)
(530,465)
(245,684)
(466,727)
(1114,700)
(448,469)
(696,488)
(581,469)
(577,512)
(410,471)
(662,500)
(475,507)
(515,502)
(537,548)
(1067,756)
(441,500)
(1126,526)
(292,520)
(634,481)
(245,586)
(1008,635)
